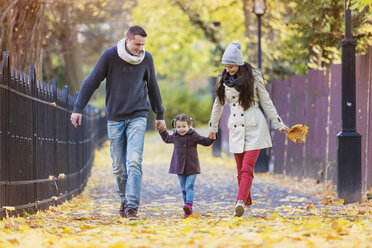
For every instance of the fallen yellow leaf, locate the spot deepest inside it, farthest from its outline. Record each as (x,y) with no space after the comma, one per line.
(298,133)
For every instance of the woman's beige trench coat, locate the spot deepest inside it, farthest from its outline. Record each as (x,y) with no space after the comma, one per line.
(248,129)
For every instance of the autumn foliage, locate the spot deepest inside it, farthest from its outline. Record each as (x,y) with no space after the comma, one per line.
(298,133)
(308,216)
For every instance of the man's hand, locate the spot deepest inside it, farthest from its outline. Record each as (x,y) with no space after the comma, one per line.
(212,136)
(76,119)
(160,125)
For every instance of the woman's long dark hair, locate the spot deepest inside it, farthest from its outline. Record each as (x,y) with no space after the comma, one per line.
(245,75)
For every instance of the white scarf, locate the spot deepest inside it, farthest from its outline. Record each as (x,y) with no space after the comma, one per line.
(126,56)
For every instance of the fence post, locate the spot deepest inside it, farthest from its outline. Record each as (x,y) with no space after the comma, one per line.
(67,159)
(34,130)
(78,165)
(4,132)
(55,125)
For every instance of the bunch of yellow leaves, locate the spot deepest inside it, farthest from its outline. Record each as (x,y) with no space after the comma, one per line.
(298,133)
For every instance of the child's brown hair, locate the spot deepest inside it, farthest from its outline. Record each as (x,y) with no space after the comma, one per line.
(183,117)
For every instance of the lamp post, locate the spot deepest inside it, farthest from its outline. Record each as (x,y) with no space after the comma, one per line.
(217,144)
(259,8)
(348,140)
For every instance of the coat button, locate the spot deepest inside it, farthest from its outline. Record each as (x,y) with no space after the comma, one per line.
(234,114)
(234,125)
(234,104)
(242,125)
(242,114)
(233,96)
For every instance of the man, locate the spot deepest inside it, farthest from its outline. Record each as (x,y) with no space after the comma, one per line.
(130,77)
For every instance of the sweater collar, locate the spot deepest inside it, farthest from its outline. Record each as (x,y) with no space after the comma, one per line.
(126,56)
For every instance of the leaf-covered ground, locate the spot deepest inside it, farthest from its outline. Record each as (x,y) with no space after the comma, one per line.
(287,212)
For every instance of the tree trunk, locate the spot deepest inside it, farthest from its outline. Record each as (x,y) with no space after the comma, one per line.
(22,33)
(69,49)
(73,70)
(48,71)
(247,16)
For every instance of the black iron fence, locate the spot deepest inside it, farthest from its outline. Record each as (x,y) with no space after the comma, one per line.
(44,160)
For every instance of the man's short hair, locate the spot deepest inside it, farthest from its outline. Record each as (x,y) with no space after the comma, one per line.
(136,30)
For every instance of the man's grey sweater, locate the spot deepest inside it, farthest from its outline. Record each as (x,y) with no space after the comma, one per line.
(127,87)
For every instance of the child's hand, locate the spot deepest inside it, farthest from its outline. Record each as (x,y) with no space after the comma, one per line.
(160,125)
(212,136)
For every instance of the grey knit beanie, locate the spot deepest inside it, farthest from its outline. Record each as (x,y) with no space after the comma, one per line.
(233,54)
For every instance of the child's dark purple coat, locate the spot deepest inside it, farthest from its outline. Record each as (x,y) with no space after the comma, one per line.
(185,159)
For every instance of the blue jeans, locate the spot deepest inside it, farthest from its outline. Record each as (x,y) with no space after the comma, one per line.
(126,148)
(187,187)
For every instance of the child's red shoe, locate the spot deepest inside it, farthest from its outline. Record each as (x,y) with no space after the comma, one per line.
(187,209)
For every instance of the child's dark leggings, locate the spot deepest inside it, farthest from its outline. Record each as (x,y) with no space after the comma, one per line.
(245,164)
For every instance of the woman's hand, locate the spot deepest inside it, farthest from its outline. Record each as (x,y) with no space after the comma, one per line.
(212,136)
(285,130)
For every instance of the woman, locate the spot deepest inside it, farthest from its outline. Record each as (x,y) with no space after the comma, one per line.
(243,88)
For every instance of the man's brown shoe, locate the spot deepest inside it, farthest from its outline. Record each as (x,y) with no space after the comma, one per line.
(131,214)
(122,210)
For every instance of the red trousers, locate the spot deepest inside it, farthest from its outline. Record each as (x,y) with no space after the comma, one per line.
(245,164)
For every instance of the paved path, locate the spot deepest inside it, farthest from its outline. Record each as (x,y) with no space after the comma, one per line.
(215,189)
(215,194)
(281,218)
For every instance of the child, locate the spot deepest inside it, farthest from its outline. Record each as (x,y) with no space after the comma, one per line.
(185,161)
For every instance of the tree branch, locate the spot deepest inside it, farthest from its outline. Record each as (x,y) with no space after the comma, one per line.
(209,31)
